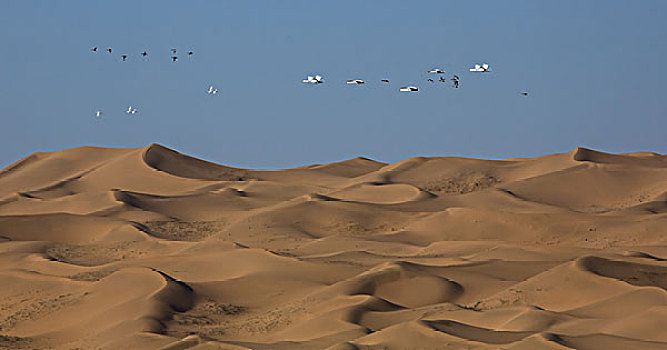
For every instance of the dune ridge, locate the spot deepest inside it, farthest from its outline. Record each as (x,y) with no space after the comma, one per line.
(149,248)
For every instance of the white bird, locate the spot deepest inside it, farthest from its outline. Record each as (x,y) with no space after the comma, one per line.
(212,90)
(436,71)
(480,68)
(313,80)
(98,114)
(409,88)
(131,110)
(355,81)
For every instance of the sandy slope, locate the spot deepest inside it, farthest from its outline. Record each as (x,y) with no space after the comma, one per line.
(151,249)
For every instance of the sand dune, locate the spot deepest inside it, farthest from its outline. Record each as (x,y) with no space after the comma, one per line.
(152,249)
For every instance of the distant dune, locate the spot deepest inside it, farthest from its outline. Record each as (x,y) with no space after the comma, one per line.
(152,249)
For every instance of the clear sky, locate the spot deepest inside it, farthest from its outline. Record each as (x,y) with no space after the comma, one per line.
(595,72)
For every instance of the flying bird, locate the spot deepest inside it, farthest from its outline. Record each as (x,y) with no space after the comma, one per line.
(409,88)
(144,53)
(385,80)
(212,90)
(190,53)
(313,80)
(436,71)
(174,58)
(429,80)
(94,49)
(109,50)
(442,79)
(455,79)
(98,114)
(123,57)
(131,110)
(524,93)
(173,51)
(480,68)
(355,82)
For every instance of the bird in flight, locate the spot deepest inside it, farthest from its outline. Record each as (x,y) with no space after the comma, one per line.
(455,79)
(173,51)
(131,110)
(436,71)
(190,53)
(94,49)
(174,58)
(480,68)
(409,88)
(144,53)
(313,80)
(355,82)
(123,57)
(109,50)
(442,79)
(212,90)
(385,80)
(429,80)
(524,93)
(98,114)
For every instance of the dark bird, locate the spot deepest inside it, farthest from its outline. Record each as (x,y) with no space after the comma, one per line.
(524,93)
(109,50)
(173,51)
(385,80)
(94,49)
(174,58)
(144,53)
(442,79)
(123,57)
(455,79)
(429,80)
(190,53)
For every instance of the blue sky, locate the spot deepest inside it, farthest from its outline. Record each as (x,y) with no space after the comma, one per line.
(593,70)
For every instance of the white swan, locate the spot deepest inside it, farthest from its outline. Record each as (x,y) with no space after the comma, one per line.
(313,80)
(480,68)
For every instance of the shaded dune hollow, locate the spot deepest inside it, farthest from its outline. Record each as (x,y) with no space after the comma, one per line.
(148,248)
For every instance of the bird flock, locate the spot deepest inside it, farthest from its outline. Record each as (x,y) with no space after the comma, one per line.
(478,68)
(144,54)
(317,79)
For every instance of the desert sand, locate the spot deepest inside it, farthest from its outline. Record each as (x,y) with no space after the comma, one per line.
(152,249)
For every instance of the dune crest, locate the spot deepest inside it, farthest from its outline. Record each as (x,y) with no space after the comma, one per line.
(149,248)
